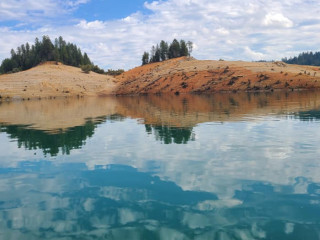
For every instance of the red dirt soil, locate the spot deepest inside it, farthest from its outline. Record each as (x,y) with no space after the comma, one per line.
(187,75)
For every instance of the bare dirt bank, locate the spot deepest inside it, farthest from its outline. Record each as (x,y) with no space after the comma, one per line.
(181,75)
(51,80)
(184,75)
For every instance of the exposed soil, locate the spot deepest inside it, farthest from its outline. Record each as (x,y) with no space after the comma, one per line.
(187,75)
(181,75)
(51,80)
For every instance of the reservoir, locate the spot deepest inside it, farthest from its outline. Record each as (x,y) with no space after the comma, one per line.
(229,166)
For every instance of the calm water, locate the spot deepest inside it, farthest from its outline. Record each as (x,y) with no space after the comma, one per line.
(229,166)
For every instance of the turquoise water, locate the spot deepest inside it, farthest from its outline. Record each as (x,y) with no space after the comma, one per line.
(228,166)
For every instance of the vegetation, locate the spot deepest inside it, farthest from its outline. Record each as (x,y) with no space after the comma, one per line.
(164,51)
(27,56)
(86,68)
(114,72)
(305,58)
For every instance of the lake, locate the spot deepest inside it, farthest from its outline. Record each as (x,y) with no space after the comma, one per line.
(223,166)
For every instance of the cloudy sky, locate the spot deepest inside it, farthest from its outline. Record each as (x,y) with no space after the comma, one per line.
(115,33)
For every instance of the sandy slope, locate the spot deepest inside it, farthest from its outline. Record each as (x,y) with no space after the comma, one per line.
(189,75)
(51,80)
(181,75)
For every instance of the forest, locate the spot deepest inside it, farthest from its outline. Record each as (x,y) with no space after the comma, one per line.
(305,58)
(164,51)
(27,56)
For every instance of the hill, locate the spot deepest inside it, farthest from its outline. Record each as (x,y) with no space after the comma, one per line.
(187,75)
(27,56)
(52,80)
(179,75)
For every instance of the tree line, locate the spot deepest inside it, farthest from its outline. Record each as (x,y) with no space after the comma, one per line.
(27,56)
(305,58)
(164,51)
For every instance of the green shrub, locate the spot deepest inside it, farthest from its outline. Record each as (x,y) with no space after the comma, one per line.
(115,72)
(96,69)
(86,68)
(15,70)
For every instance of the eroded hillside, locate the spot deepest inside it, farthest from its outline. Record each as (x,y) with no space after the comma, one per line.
(187,75)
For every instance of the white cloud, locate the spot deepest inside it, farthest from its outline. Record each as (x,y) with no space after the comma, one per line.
(91,25)
(227,29)
(277,20)
(33,10)
(252,54)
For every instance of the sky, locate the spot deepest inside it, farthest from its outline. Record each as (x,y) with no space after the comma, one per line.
(115,33)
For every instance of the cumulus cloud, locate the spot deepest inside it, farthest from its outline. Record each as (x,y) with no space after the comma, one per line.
(32,10)
(252,54)
(228,29)
(277,20)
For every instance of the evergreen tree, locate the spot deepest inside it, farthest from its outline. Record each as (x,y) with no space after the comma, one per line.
(86,59)
(145,58)
(26,56)
(152,54)
(183,49)
(164,50)
(174,49)
(157,55)
(7,65)
(305,58)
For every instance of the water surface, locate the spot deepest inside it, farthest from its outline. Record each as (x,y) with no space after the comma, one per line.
(225,166)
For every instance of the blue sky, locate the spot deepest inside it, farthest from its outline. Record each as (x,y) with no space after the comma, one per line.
(105,10)
(115,33)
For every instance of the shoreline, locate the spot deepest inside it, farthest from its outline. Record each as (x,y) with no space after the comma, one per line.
(71,97)
(176,76)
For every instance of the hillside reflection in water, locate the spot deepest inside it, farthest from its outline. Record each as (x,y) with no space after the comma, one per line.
(226,166)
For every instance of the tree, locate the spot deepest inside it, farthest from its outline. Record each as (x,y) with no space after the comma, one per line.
(164,50)
(26,56)
(183,49)
(157,54)
(7,65)
(145,58)
(47,49)
(152,54)
(174,49)
(86,59)
(305,58)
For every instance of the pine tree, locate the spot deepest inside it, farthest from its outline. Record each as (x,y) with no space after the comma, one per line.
(152,54)
(27,56)
(145,58)
(174,49)
(164,50)
(157,55)
(183,49)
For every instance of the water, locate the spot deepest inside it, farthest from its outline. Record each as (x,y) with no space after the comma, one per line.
(227,166)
